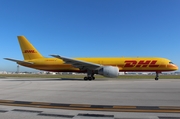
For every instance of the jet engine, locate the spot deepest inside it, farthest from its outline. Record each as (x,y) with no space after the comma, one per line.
(109,71)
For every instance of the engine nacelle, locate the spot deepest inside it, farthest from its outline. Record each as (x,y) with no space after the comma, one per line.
(109,71)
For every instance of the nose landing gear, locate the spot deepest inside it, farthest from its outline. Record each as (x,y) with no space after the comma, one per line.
(157,76)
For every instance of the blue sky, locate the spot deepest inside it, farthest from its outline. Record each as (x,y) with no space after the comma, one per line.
(91,28)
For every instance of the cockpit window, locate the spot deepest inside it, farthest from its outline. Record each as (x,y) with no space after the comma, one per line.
(171,63)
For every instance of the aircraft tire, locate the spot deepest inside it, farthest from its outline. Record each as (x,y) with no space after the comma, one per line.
(90,78)
(85,78)
(156,78)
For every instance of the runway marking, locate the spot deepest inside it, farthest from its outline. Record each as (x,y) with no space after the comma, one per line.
(124,107)
(6,101)
(169,107)
(40,103)
(55,115)
(95,115)
(30,111)
(79,105)
(87,107)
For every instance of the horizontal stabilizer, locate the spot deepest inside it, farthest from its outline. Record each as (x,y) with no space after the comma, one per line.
(18,61)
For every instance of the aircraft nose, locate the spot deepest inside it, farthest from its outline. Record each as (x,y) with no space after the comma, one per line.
(172,67)
(176,67)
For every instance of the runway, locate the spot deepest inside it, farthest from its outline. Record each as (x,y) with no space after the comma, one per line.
(147,98)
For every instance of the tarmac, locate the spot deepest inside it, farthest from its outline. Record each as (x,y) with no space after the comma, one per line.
(38,98)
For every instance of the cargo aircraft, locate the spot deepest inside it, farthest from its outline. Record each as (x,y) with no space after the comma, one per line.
(108,67)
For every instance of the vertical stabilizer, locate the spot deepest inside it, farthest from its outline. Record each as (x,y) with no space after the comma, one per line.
(28,50)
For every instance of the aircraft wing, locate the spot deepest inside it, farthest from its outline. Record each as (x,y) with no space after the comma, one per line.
(83,65)
(18,61)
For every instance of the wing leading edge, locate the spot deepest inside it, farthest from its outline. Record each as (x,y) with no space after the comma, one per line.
(83,65)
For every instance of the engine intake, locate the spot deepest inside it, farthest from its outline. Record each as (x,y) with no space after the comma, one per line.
(109,71)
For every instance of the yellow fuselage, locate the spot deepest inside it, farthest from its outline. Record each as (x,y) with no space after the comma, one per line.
(132,64)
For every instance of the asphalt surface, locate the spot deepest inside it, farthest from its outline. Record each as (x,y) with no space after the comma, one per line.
(76,99)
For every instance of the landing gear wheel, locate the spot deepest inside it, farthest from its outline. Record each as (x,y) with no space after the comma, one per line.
(93,78)
(156,78)
(89,78)
(85,78)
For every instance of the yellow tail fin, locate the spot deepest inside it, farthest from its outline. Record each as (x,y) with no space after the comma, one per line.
(28,50)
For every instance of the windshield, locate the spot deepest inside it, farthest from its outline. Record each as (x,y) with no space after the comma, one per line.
(171,63)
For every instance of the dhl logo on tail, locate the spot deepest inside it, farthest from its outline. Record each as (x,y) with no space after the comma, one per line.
(141,63)
(30,51)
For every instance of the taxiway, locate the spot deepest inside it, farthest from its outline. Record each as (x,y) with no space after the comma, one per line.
(114,98)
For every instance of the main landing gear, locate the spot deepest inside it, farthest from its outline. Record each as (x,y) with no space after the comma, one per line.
(157,76)
(90,76)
